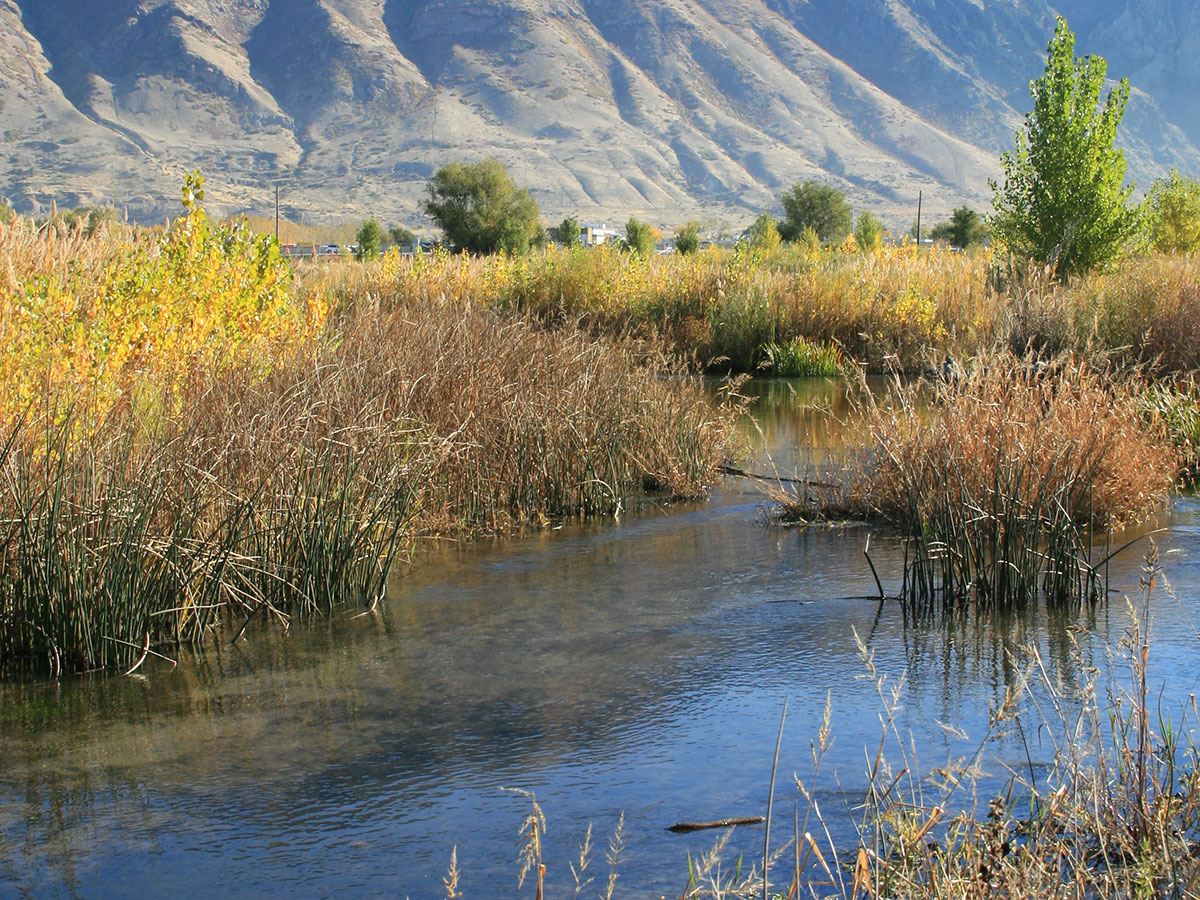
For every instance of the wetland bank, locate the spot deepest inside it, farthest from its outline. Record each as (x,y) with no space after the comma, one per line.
(237,511)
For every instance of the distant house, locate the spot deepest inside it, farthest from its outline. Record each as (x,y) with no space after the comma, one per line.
(592,235)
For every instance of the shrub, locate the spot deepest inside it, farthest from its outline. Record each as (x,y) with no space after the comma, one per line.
(86,321)
(1001,479)
(639,237)
(687,238)
(369,239)
(764,233)
(868,233)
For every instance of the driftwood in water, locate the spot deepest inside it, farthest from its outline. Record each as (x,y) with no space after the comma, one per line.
(685,827)
(742,473)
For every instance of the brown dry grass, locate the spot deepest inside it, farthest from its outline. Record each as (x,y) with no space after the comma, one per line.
(1049,424)
(1000,476)
(239,494)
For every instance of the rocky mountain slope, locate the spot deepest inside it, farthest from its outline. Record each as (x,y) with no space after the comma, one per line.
(664,109)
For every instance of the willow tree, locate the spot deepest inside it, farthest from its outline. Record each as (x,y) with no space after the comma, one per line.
(1064,202)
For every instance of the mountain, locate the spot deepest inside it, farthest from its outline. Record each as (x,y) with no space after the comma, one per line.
(663,109)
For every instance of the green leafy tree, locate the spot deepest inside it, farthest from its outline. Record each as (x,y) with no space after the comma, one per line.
(399,236)
(1175,214)
(369,238)
(482,210)
(6,213)
(821,207)
(639,237)
(868,232)
(764,233)
(569,233)
(687,238)
(964,229)
(1062,202)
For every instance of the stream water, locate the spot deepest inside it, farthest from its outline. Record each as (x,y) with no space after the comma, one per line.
(637,667)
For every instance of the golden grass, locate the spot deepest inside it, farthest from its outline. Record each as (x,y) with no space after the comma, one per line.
(721,307)
(1000,477)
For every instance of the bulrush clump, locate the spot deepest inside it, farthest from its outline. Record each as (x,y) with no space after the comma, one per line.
(1001,475)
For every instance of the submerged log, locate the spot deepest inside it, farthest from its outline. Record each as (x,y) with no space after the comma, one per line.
(685,827)
(742,473)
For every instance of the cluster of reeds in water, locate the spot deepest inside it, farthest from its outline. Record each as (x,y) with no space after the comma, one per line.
(1001,477)
(1004,477)
(172,495)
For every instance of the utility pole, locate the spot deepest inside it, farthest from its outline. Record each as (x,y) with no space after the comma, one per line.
(277,214)
(919,193)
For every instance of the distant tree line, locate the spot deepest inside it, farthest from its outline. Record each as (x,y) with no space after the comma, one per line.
(1063,202)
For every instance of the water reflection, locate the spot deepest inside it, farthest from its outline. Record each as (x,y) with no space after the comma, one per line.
(638,667)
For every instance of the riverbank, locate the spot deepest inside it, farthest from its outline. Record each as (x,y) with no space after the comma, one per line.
(195,445)
(639,667)
(201,437)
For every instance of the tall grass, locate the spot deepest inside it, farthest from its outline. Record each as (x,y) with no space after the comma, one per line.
(720,307)
(198,475)
(886,310)
(1145,310)
(1002,477)
(1116,814)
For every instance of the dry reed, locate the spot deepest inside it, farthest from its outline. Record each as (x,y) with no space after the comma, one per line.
(1001,477)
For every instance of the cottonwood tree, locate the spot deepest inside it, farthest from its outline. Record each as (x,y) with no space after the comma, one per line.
(821,207)
(481,209)
(1063,202)
(764,232)
(639,237)
(369,239)
(1175,214)
(868,232)
(964,229)
(399,236)
(568,232)
(687,238)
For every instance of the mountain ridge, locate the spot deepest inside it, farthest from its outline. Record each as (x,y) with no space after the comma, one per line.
(663,109)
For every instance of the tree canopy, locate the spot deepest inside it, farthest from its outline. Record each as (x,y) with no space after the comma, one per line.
(764,232)
(481,209)
(687,237)
(818,206)
(1175,214)
(639,237)
(568,232)
(1063,202)
(400,236)
(369,238)
(868,232)
(964,229)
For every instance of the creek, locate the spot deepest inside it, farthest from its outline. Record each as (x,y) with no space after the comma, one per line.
(636,667)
